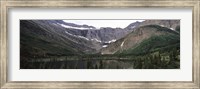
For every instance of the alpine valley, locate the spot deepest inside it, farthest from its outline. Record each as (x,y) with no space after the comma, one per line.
(57,44)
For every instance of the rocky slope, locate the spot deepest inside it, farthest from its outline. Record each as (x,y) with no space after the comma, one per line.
(138,37)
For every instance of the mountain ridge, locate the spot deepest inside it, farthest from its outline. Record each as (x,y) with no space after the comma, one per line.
(74,41)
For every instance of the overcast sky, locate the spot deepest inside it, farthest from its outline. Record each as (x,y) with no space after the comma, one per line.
(104,23)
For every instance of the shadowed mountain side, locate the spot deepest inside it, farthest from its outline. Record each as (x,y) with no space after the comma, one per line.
(40,39)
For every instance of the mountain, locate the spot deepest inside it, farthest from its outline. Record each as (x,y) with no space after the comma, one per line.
(39,38)
(106,34)
(144,39)
(103,34)
(134,25)
(56,37)
(57,44)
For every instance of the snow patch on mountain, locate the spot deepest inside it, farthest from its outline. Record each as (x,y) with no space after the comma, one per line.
(82,37)
(69,33)
(111,41)
(122,44)
(162,25)
(79,28)
(172,28)
(96,40)
(167,27)
(105,46)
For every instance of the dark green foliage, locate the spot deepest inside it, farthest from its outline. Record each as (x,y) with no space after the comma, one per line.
(177,29)
(163,29)
(101,64)
(155,60)
(155,43)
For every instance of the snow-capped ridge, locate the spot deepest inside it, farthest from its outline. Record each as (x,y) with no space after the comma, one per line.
(71,27)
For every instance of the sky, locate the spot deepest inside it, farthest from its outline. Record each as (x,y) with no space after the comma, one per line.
(104,23)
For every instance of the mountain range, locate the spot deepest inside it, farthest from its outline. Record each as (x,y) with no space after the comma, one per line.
(43,38)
